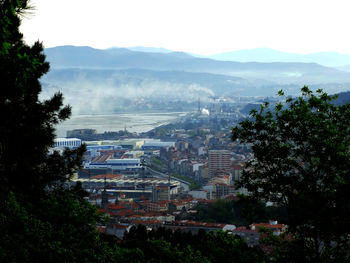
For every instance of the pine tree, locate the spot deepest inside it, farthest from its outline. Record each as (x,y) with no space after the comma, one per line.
(40,218)
(27,125)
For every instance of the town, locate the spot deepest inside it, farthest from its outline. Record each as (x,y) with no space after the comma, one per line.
(160,178)
(155,131)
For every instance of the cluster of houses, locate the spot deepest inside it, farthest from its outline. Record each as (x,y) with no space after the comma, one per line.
(211,159)
(125,213)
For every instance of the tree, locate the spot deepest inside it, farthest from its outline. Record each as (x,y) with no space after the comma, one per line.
(302,161)
(41,218)
(56,229)
(27,124)
(164,245)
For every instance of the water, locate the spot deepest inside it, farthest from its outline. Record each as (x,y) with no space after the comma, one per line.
(133,122)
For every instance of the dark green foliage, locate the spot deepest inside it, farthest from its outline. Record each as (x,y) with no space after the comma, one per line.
(27,124)
(58,229)
(168,246)
(103,136)
(223,247)
(160,246)
(221,211)
(241,212)
(41,218)
(302,160)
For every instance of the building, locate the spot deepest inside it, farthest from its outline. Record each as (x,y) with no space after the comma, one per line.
(132,154)
(156,145)
(237,172)
(199,194)
(161,193)
(67,142)
(222,190)
(276,228)
(130,144)
(219,161)
(117,164)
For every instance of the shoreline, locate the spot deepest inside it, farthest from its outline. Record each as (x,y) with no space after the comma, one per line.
(132,122)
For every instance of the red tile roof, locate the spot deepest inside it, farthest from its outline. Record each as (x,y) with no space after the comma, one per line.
(101,229)
(125,213)
(116,207)
(267,225)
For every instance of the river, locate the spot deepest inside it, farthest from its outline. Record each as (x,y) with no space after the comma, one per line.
(133,122)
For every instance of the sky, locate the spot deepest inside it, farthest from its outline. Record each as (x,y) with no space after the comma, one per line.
(195,26)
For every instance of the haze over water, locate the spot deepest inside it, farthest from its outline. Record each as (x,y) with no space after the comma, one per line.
(133,122)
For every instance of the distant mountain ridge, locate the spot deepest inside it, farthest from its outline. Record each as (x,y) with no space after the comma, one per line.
(262,55)
(343,97)
(113,58)
(123,58)
(115,79)
(150,49)
(329,59)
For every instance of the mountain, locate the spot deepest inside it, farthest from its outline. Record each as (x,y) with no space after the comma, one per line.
(122,58)
(255,55)
(119,79)
(113,58)
(343,97)
(149,83)
(150,49)
(330,59)
(344,68)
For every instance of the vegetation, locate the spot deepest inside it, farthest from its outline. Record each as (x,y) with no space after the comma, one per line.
(302,161)
(41,217)
(27,124)
(193,183)
(104,136)
(169,246)
(240,212)
(157,164)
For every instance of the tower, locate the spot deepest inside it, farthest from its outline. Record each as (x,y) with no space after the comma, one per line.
(104,196)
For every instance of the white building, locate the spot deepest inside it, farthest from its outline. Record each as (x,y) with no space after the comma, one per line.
(67,142)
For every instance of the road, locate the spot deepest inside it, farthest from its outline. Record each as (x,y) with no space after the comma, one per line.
(184,184)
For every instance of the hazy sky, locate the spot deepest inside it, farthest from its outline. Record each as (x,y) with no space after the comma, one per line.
(202,27)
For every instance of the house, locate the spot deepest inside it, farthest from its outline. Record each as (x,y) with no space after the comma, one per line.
(276,228)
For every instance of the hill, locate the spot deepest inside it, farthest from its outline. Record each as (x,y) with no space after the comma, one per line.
(95,80)
(343,97)
(122,58)
(330,59)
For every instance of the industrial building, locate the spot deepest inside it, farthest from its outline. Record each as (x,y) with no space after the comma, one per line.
(156,144)
(67,142)
(116,164)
